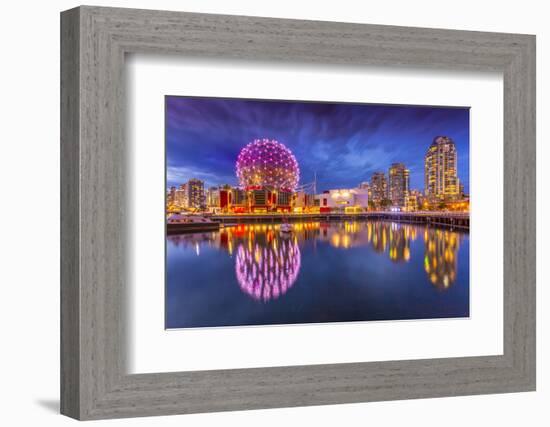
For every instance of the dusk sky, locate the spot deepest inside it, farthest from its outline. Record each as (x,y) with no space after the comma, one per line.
(343,143)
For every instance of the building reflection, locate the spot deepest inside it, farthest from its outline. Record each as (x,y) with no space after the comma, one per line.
(440,256)
(267,263)
(393,238)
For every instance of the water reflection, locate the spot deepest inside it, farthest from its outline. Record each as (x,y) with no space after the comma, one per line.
(267,263)
(440,257)
(267,271)
(393,238)
(440,253)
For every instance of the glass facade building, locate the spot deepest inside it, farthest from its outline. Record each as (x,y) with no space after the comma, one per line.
(398,184)
(440,170)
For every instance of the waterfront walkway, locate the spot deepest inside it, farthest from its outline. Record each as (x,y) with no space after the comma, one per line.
(459,220)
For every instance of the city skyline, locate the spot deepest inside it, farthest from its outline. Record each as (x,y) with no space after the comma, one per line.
(344,144)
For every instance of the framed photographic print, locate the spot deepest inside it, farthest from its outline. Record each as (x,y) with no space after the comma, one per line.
(330,225)
(261,213)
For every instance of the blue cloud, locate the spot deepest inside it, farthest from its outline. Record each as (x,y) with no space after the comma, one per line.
(343,143)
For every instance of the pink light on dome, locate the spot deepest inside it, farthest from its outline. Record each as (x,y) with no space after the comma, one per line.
(267,162)
(266,273)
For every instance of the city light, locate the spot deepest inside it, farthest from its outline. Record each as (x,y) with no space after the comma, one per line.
(267,163)
(269,183)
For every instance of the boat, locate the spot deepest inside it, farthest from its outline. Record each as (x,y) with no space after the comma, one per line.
(177,223)
(286,228)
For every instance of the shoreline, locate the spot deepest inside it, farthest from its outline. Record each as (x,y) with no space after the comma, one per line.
(458,222)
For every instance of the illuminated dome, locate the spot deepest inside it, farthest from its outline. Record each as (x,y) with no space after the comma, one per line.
(266,273)
(267,163)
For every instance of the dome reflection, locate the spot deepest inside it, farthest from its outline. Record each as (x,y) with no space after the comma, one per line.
(266,272)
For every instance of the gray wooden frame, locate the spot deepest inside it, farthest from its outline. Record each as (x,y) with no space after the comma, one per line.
(94,382)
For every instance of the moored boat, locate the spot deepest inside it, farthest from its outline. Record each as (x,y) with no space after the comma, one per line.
(286,228)
(177,223)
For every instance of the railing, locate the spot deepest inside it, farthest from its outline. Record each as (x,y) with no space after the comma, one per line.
(449,219)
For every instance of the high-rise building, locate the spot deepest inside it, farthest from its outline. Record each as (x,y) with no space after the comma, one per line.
(195,193)
(171,196)
(182,197)
(440,170)
(398,190)
(378,187)
(364,185)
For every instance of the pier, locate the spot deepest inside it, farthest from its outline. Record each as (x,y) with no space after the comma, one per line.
(454,220)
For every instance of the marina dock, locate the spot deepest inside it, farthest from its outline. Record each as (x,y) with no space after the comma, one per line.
(455,220)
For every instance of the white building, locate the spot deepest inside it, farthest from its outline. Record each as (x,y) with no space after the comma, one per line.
(342,200)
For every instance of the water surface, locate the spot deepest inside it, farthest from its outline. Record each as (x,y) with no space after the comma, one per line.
(323,272)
